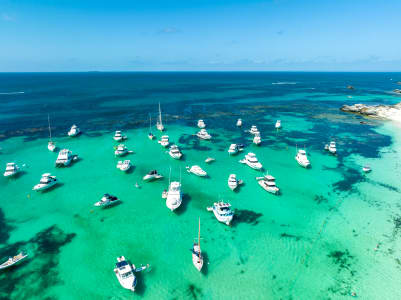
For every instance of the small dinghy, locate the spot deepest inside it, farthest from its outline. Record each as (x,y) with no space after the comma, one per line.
(366,169)
(278,124)
(198,171)
(13,260)
(209,160)
(107,200)
(239,123)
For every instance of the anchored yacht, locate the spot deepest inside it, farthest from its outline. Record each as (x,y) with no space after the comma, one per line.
(239,122)
(124,165)
(125,273)
(204,135)
(118,136)
(201,124)
(302,159)
(164,141)
(46,182)
(11,170)
(11,261)
(159,123)
(197,258)
(174,196)
(197,170)
(74,131)
(257,140)
(252,161)
(278,124)
(121,150)
(232,182)
(152,175)
(64,158)
(253,130)
(175,152)
(234,149)
(332,147)
(107,200)
(222,212)
(268,183)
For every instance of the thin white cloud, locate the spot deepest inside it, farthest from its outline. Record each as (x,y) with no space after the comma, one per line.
(6,17)
(169,30)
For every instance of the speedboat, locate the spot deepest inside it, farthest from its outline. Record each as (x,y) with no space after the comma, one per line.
(164,141)
(252,161)
(268,183)
(159,123)
(232,182)
(47,181)
(107,200)
(124,165)
(121,150)
(222,212)
(197,258)
(175,152)
(174,196)
(366,169)
(198,171)
(118,136)
(253,130)
(332,147)
(209,160)
(11,170)
(74,131)
(204,135)
(257,140)
(233,149)
(152,175)
(278,124)
(11,261)
(302,159)
(201,124)
(239,122)
(125,273)
(64,158)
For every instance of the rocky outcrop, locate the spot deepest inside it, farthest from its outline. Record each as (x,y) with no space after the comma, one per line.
(389,112)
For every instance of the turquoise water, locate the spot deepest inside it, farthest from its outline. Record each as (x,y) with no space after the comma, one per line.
(314,241)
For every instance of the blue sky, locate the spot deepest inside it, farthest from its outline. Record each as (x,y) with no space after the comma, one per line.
(199,35)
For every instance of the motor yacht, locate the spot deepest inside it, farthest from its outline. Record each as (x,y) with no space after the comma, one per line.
(174,196)
(152,175)
(253,130)
(257,140)
(159,123)
(278,124)
(197,258)
(332,147)
(46,182)
(74,131)
(268,183)
(222,211)
(252,161)
(107,200)
(232,182)
(125,273)
(197,170)
(302,159)
(64,158)
(239,122)
(164,141)
(175,152)
(204,135)
(11,261)
(233,149)
(11,169)
(121,150)
(201,124)
(118,136)
(124,165)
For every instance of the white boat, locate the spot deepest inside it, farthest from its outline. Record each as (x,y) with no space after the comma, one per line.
(64,158)
(203,134)
(253,130)
(11,261)
(366,169)
(121,150)
(175,152)
(124,165)
(209,160)
(332,147)
(239,122)
(268,183)
(222,211)
(50,145)
(159,123)
(46,182)
(125,273)
(233,149)
(302,159)
(152,175)
(197,258)
(252,161)
(107,200)
(278,124)
(118,136)
(174,196)
(164,141)
(74,131)
(232,182)
(150,134)
(197,170)
(11,169)
(257,140)
(201,124)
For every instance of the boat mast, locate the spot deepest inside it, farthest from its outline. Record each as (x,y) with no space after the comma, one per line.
(199,239)
(50,130)
(150,122)
(169,177)
(160,115)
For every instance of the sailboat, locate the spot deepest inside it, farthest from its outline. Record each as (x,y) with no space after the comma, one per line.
(197,258)
(150,134)
(159,123)
(51,146)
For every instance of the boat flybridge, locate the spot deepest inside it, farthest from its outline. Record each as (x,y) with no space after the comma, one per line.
(257,140)
(174,195)
(159,123)
(46,182)
(253,130)
(203,134)
(120,150)
(197,258)
(232,182)
(11,261)
(11,169)
(124,165)
(222,211)
(65,157)
(302,159)
(239,122)
(197,170)
(125,273)
(50,145)
(234,149)
(152,175)
(118,136)
(74,131)
(268,183)
(252,161)
(107,200)
(164,141)
(278,124)
(201,124)
(175,152)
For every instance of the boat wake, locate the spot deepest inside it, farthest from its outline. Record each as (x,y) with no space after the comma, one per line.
(284,83)
(12,93)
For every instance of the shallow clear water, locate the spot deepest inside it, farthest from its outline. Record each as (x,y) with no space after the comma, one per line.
(314,241)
